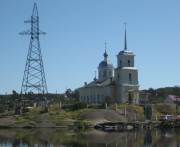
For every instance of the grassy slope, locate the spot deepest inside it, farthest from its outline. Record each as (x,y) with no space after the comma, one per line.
(60,118)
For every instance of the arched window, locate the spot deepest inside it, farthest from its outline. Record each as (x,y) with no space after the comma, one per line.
(129,63)
(120,63)
(102,96)
(130,77)
(88,99)
(118,76)
(98,98)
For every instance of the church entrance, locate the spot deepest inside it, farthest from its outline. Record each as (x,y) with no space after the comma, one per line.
(129,97)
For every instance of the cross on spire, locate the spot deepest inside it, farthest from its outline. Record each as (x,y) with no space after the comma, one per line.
(105,53)
(105,45)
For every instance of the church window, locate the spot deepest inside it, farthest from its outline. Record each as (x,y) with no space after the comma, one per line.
(98,98)
(94,98)
(104,73)
(99,73)
(120,63)
(102,98)
(130,77)
(88,99)
(128,62)
(118,76)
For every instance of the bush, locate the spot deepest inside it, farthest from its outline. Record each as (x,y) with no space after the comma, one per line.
(76,106)
(165,108)
(2,108)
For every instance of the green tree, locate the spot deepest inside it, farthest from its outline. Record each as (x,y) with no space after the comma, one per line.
(108,100)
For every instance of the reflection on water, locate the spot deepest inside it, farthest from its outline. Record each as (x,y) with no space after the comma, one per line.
(91,138)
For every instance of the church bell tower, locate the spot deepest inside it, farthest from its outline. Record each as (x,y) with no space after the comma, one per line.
(126,76)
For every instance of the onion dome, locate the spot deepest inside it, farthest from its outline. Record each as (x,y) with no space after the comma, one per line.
(105,63)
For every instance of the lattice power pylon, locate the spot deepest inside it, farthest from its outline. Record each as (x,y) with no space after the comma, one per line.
(34,77)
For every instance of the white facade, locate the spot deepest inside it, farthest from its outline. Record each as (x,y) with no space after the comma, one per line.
(118,85)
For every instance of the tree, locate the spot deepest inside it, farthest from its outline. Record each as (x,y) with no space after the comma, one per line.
(108,100)
(69,92)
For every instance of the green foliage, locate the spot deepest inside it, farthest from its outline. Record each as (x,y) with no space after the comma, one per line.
(29,115)
(72,94)
(165,108)
(75,106)
(20,119)
(54,107)
(161,94)
(81,124)
(136,108)
(2,108)
(109,99)
(73,114)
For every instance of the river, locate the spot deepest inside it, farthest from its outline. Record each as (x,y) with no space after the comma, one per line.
(54,137)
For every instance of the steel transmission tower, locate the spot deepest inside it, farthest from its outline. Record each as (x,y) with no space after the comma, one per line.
(34,77)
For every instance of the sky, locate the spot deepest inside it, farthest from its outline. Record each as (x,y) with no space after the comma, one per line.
(76,33)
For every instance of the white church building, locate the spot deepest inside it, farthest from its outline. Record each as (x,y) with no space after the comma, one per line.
(117,85)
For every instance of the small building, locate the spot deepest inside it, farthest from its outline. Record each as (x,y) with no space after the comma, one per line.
(173,99)
(118,84)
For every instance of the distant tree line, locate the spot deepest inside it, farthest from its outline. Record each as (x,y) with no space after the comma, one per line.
(11,101)
(161,94)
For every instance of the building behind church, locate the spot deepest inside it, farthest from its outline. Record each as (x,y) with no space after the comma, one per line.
(116,85)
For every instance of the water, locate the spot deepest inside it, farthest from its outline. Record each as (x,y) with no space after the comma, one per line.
(92,138)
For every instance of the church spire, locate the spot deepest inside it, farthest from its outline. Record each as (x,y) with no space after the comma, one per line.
(125,41)
(105,53)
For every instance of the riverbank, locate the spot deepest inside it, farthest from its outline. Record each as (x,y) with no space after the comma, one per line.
(85,117)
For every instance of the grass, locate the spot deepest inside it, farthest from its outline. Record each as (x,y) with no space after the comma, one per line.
(60,116)
(74,114)
(6,113)
(28,115)
(164,109)
(20,119)
(135,108)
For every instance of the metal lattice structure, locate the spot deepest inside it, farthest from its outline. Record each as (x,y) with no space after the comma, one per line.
(34,77)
